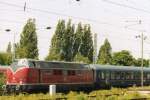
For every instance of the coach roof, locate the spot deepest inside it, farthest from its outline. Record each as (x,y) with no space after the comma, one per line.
(117,68)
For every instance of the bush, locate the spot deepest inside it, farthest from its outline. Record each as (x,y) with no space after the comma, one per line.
(2,80)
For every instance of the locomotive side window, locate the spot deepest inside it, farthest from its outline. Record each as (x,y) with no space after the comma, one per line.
(64,72)
(48,72)
(57,72)
(71,72)
(79,72)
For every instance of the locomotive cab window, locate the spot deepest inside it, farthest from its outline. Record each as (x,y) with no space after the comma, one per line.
(32,64)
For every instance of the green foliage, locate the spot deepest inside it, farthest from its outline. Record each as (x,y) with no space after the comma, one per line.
(27,48)
(113,94)
(53,57)
(5,58)
(104,56)
(67,42)
(123,58)
(137,62)
(55,51)
(80,58)
(86,48)
(78,39)
(2,80)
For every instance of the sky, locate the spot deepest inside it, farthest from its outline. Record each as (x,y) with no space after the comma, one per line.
(116,20)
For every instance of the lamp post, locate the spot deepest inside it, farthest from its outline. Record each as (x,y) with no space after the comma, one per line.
(14,36)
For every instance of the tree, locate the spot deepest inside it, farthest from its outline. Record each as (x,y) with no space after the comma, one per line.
(5,58)
(122,58)
(137,62)
(67,42)
(28,42)
(80,58)
(55,51)
(77,40)
(9,48)
(104,56)
(87,43)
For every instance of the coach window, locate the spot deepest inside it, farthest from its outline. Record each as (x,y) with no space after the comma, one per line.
(145,76)
(122,75)
(102,75)
(57,72)
(112,75)
(117,75)
(132,75)
(148,76)
(128,75)
(137,75)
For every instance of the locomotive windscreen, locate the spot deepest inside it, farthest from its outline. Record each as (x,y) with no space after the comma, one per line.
(18,64)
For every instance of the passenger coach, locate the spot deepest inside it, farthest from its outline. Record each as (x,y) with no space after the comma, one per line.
(120,76)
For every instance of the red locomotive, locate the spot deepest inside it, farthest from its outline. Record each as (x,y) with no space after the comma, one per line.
(32,75)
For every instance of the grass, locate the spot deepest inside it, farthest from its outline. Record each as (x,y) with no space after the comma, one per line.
(113,94)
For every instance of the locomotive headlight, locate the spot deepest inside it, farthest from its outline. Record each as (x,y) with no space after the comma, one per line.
(20,82)
(13,78)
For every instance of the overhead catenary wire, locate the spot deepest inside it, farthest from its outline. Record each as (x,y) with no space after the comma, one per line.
(126,6)
(52,12)
(56,13)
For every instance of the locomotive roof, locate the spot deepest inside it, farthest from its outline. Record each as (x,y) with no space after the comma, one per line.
(117,68)
(57,64)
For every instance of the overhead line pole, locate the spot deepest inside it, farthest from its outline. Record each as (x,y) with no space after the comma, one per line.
(142,46)
(142,37)
(142,59)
